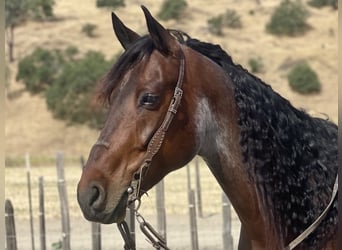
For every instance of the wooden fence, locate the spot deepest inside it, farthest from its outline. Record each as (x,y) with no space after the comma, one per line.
(194,203)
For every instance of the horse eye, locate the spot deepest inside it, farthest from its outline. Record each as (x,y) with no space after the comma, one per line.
(149,100)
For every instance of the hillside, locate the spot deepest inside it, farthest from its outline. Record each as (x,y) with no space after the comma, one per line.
(31,128)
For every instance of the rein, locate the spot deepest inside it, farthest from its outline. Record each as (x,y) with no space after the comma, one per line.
(157,241)
(315,224)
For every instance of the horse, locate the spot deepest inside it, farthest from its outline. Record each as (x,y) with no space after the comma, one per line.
(172,97)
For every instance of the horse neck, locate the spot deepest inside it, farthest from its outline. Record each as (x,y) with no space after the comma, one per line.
(218,139)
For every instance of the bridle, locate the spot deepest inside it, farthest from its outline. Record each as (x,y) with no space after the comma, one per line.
(157,241)
(134,190)
(158,137)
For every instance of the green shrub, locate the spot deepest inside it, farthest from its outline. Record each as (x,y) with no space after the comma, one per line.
(303,79)
(256,65)
(232,19)
(39,69)
(68,82)
(42,9)
(322,3)
(89,29)
(289,19)
(229,19)
(172,9)
(110,3)
(71,52)
(69,98)
(215,25)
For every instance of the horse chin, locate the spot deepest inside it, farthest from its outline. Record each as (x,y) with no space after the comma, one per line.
(119,212)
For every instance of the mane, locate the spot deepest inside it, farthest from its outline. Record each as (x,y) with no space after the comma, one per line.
(290,156)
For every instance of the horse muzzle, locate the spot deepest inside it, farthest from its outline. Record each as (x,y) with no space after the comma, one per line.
(98,206)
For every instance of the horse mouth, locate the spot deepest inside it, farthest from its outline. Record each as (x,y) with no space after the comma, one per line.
(117,215)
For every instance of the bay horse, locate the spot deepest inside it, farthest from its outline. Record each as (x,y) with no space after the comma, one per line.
(172,97)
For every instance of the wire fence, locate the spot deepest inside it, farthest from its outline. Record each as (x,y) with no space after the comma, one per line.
(188,207)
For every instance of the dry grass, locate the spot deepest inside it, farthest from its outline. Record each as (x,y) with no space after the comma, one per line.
(31,128)
(175,189)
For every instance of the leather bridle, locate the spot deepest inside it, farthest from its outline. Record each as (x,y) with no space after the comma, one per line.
(157,241)
(158,137)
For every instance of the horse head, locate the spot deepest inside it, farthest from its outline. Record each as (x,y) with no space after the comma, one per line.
(140,88)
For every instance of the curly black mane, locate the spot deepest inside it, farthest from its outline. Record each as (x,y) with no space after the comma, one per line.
(291,157)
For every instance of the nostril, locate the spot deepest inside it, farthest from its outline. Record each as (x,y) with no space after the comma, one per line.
(97,196)
(94,195)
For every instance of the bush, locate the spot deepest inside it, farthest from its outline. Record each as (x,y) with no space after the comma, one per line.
(71,52)
(289,19)
(172,9)
(89,29)
(322,3)
(70,95)
(110,3)
(256,65)
(68,82)
(229,19)
(215,25)
(303,79)
(42,9)
(39,69)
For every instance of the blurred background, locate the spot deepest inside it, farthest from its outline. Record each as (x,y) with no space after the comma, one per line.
(56,51)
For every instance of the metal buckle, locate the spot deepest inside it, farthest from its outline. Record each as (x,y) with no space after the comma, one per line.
(178,92)
(177,96)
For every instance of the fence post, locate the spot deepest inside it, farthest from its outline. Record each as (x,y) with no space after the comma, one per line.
(161,214)
(11,239)
(192,212)
(227,223)
(188,176)
(95,227)
(28,174)
(82,162)
(198,189)
(63,202)
(96,235)
(193,221)
(42,214)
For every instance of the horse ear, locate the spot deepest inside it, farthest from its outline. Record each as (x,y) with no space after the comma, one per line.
(125,35)
(161,38)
